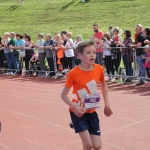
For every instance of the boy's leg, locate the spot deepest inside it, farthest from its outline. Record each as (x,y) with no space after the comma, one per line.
(86,140)
(96,142)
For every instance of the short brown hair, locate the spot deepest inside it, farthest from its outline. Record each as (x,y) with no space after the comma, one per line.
(82,45)
(107,36)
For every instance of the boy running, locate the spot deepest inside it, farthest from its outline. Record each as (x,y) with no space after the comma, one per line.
(85,96)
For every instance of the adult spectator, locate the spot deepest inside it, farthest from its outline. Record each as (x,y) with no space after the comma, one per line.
(29,51)
(1,55)
(19,44)
(139,42)
(127,53)
(146,32)
(7,52)
(110,31)
(75,44)
(69,53)
(12,43)
(41,52)
(48,47)
(115,52)
(98,35)
(64,59)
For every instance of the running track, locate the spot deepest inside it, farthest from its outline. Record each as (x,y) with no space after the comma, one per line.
(34,117)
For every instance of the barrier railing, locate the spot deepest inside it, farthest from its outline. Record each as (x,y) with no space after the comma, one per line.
(120,64)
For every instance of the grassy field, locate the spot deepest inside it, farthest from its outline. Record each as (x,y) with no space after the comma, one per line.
(49,16)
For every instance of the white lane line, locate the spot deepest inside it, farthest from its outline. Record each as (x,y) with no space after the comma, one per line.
(115,129)
(112,145)
(138,122)
(50,123)
(22,87)
(55,91)
(7,148)
(35,99)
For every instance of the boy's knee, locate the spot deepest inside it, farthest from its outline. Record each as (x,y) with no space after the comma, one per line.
(88,147)
(97,147)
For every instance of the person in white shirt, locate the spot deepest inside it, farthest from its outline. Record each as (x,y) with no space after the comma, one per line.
(107,54)
(69,53)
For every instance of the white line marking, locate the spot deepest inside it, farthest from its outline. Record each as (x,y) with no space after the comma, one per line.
(7,148)
(35,99)
(126,126)
(115,129)
(31,88)
(113,145)
(60,92)
(50,123)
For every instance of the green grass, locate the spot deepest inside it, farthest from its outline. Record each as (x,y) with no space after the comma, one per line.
(47,16)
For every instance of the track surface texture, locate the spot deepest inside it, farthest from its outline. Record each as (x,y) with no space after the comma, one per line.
(34,117)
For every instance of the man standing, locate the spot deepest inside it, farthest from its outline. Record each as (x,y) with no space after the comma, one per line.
(48,45)
(98,35)
(139,42)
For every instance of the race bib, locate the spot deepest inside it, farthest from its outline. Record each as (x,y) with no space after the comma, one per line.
(92,101)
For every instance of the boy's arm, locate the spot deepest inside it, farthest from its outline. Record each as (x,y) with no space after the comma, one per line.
(78,110)
(107,109)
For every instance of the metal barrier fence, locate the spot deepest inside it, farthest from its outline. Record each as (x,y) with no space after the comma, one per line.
(121,64)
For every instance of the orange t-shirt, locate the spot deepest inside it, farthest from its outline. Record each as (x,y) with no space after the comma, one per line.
(60,53)
(84,82)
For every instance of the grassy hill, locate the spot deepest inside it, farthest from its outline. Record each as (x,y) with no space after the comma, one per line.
(49,16)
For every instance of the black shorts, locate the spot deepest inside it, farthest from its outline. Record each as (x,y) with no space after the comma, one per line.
(89,121)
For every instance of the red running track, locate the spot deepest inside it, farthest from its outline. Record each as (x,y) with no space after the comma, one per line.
(34,117)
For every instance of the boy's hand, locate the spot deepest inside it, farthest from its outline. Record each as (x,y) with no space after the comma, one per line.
(107,111)
(79,110)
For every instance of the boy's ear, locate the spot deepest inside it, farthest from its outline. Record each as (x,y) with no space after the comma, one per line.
(79,55)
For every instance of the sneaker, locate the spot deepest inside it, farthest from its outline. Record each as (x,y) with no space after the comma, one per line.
(65,70)
(41,75)
(9,73)
(109,79)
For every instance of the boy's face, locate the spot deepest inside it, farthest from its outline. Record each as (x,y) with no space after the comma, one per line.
(89,55)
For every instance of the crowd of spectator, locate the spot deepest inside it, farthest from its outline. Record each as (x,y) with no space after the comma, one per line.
(59,54)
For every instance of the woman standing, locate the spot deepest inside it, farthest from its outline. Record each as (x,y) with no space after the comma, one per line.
(127,53)
(115,51)
(75,44)
(69,53)
(28,50)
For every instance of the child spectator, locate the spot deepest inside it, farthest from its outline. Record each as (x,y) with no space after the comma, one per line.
(146,57)
(107,54)
(84,79)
